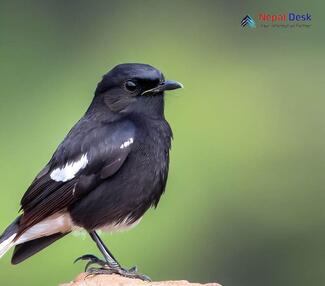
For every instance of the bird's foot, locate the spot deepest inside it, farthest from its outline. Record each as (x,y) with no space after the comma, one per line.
(129,273)
(105,268)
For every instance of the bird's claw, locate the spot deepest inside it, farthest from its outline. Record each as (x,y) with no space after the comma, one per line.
(92,259)
(89,257)
(133,269)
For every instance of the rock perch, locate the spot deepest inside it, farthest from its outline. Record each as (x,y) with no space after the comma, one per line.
(116,280)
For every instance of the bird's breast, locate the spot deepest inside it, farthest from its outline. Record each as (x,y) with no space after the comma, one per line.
(151,152)
(122,199)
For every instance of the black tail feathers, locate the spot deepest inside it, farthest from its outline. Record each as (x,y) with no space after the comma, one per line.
(29,248)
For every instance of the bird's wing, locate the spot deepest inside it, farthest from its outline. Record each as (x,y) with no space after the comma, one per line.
(85,158)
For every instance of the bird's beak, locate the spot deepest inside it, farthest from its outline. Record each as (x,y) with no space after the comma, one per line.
(166,85)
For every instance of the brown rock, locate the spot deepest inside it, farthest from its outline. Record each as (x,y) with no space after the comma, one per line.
(116,280)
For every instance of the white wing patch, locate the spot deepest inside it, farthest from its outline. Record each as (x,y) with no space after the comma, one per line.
(70,169)
(126,143)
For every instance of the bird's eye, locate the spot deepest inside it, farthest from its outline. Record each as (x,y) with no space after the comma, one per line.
(131,86)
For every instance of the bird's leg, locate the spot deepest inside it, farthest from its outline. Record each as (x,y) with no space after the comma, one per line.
(110,265)
(110,259)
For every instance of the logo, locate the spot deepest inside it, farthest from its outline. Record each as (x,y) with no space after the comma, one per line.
(278,20)
(248,21)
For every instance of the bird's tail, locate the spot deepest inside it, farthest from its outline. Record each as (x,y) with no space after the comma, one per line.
(7,239)
(36,237)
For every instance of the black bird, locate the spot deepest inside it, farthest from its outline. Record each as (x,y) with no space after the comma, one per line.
(108,171)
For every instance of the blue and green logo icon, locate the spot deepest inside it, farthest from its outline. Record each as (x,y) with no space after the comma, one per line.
(248,21)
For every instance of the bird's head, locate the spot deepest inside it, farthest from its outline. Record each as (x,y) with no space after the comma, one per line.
(131,88)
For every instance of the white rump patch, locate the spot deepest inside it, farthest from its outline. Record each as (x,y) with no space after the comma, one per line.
(69,170)
(57,223)
(126,143)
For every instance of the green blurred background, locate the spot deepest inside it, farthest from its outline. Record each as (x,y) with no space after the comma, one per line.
(245,197)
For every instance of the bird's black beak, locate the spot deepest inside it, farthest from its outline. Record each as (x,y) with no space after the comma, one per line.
(166,85)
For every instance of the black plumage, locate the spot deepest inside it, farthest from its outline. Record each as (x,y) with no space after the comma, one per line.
(108,171)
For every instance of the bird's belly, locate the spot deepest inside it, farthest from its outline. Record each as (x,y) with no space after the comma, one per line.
(121,226)
(119,202)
